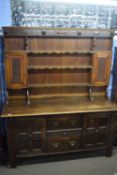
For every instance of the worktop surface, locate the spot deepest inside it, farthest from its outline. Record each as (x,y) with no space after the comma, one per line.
(57,105)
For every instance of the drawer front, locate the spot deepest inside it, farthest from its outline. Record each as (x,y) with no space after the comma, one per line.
(63,122)
(64,141)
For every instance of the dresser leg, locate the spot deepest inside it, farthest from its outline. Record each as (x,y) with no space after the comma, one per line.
(12,163)
(11,143)
(11,159)
(108,151)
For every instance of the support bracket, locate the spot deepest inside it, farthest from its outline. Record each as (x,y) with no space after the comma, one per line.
(90,94)
(27,97)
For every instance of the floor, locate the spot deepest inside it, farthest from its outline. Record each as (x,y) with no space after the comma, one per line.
(71,165)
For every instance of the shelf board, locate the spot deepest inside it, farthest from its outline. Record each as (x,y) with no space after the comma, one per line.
(58,67)
(60,85)
(54,52)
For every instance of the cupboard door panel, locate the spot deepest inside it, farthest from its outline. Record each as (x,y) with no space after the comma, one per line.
(101,68)
(29,135)
(96,130)
(16,70)
(90,135)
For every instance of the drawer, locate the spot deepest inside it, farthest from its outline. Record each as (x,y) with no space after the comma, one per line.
(57,123)
(63,141)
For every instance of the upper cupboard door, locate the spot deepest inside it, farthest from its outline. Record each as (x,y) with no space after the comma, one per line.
(101,68)
(16,70)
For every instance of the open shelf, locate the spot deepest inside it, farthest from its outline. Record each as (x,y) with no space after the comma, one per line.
(58,67)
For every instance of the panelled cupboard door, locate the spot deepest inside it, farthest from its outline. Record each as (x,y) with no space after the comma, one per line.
(29,135)
(16,70)
(96,130)
(101,68)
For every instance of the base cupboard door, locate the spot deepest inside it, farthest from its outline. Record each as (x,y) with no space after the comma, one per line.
(96,128)
(29,136)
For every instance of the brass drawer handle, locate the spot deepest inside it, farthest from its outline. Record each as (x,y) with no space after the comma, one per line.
(72,143)
(56,145)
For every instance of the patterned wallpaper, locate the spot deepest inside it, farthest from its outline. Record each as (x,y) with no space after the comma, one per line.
(53,14)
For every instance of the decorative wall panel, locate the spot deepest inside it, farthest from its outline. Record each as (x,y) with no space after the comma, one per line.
(56,14)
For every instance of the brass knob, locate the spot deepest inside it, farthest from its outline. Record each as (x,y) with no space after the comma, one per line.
(72,143)
(56,145)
